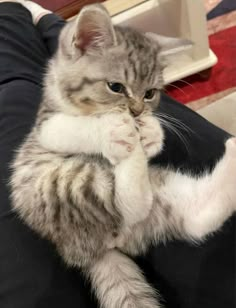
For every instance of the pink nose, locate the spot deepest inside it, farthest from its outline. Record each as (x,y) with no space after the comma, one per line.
(136,111)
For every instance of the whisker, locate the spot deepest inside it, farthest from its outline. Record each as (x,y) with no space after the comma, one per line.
(177,122)
(174,129)
(189,84)
(178,134)
(177,88)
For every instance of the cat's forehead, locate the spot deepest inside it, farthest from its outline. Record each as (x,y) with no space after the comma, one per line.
(134,60)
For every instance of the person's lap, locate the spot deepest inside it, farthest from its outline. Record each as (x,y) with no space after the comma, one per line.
(31,273)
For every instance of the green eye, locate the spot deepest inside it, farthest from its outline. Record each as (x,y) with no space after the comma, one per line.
(116,87)
(150,94)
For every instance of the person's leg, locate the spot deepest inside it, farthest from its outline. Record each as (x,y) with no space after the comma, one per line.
(22,51)
(48,24)
(31,273)
(23,57)
(49,27)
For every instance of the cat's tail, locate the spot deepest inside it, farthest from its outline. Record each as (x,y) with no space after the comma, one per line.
(119,283)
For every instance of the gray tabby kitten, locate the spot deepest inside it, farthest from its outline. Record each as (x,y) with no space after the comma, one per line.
(81,178)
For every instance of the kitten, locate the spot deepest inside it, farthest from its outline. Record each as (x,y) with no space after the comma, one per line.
(81,178)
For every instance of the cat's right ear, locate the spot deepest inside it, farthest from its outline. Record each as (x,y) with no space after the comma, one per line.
(94,30)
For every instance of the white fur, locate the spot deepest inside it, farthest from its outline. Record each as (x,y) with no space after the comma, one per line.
(71,134)
(119,136)
(134,195)
(151,135)
(113,135)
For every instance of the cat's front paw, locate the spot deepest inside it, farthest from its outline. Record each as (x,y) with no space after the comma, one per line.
(121,137)
(151,135)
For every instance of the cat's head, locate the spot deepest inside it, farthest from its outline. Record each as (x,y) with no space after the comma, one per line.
(101,68)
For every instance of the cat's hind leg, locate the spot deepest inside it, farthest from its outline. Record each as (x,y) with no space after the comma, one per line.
(216,197)
(196,207)
(119,283)
(186,207)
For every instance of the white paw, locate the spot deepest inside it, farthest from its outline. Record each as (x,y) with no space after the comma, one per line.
(151,135)
(121,137)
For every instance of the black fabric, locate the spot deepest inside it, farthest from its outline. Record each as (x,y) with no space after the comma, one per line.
(31,273)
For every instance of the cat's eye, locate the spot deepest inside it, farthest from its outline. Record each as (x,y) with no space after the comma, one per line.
(116,87)
(150,94)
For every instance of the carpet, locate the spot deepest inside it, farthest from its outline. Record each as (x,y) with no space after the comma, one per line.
(222,113)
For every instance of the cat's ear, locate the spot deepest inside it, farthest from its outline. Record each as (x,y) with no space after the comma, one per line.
(169,45)
(94,29)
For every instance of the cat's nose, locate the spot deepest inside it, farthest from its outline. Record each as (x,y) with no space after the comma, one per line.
(136,110)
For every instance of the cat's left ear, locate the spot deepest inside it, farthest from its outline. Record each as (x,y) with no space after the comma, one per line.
(169,45)
(94,30)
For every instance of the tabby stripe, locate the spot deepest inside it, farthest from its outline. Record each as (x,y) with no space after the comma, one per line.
(85,81)
(88,215)
(70,198)
(94,201)
(153,71)
(56,202)
(126,75)
(88,191)
(132,64)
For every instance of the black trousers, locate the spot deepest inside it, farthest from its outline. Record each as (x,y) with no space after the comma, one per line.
(31,273)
